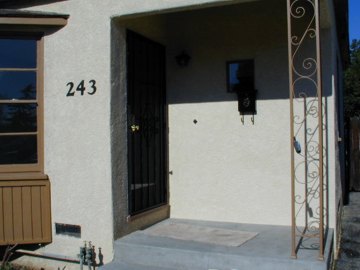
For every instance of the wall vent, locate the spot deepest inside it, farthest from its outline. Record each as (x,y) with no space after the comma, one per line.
(67,229)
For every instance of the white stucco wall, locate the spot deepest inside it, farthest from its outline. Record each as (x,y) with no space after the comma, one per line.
(222,169)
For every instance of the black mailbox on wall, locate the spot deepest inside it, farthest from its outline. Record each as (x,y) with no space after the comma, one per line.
(241,80)
(247,101)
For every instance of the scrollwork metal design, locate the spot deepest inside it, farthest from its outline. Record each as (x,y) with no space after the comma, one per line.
(307,127)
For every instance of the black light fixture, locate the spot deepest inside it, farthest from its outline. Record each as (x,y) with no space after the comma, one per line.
(183,59)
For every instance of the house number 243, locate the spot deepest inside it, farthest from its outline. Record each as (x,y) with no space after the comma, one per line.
(82,87)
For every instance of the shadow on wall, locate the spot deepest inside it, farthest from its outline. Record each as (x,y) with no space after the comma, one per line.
(204,80)
(256,30)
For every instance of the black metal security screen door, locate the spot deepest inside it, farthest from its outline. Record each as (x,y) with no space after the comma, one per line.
(146,123)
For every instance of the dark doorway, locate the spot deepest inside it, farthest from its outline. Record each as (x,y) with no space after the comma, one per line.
(146,123)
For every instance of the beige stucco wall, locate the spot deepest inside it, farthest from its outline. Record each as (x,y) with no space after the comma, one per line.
(221,168)
(77,142)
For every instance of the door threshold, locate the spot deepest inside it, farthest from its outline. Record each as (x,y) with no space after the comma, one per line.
(149,212)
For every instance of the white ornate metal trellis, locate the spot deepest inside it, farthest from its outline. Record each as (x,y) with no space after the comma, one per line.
(308,201)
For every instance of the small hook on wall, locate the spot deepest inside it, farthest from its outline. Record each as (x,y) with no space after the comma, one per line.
(243,119)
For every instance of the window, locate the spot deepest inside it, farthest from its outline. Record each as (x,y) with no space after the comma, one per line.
(240,74)
(241,80)
(21,104)
(25,206)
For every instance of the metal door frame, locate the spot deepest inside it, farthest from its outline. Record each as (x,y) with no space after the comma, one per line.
(164,145)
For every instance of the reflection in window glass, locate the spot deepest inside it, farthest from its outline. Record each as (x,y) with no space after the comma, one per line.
(18,93)
(17,53)
(18,149)
(18,118)
(17,85)
(241,75)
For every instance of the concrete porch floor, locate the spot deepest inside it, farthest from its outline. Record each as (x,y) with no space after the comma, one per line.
(269,250)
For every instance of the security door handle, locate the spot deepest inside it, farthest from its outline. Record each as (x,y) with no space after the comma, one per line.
(134,128)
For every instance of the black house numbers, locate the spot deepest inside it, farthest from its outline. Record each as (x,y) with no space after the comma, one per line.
(88,87)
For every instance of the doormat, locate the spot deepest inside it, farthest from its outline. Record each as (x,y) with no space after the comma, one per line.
(208,235)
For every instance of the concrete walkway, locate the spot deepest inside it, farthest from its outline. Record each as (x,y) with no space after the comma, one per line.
(349,258)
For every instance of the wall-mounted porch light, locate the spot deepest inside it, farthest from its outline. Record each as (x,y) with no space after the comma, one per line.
(182,59)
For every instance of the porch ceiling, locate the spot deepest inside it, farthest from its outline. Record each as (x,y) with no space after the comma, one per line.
(254,15)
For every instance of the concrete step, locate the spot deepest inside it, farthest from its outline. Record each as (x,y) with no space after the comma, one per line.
(126,266)
(268,251)
(184,259)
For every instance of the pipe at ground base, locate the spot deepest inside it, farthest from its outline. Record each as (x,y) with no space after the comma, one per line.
(48,256)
